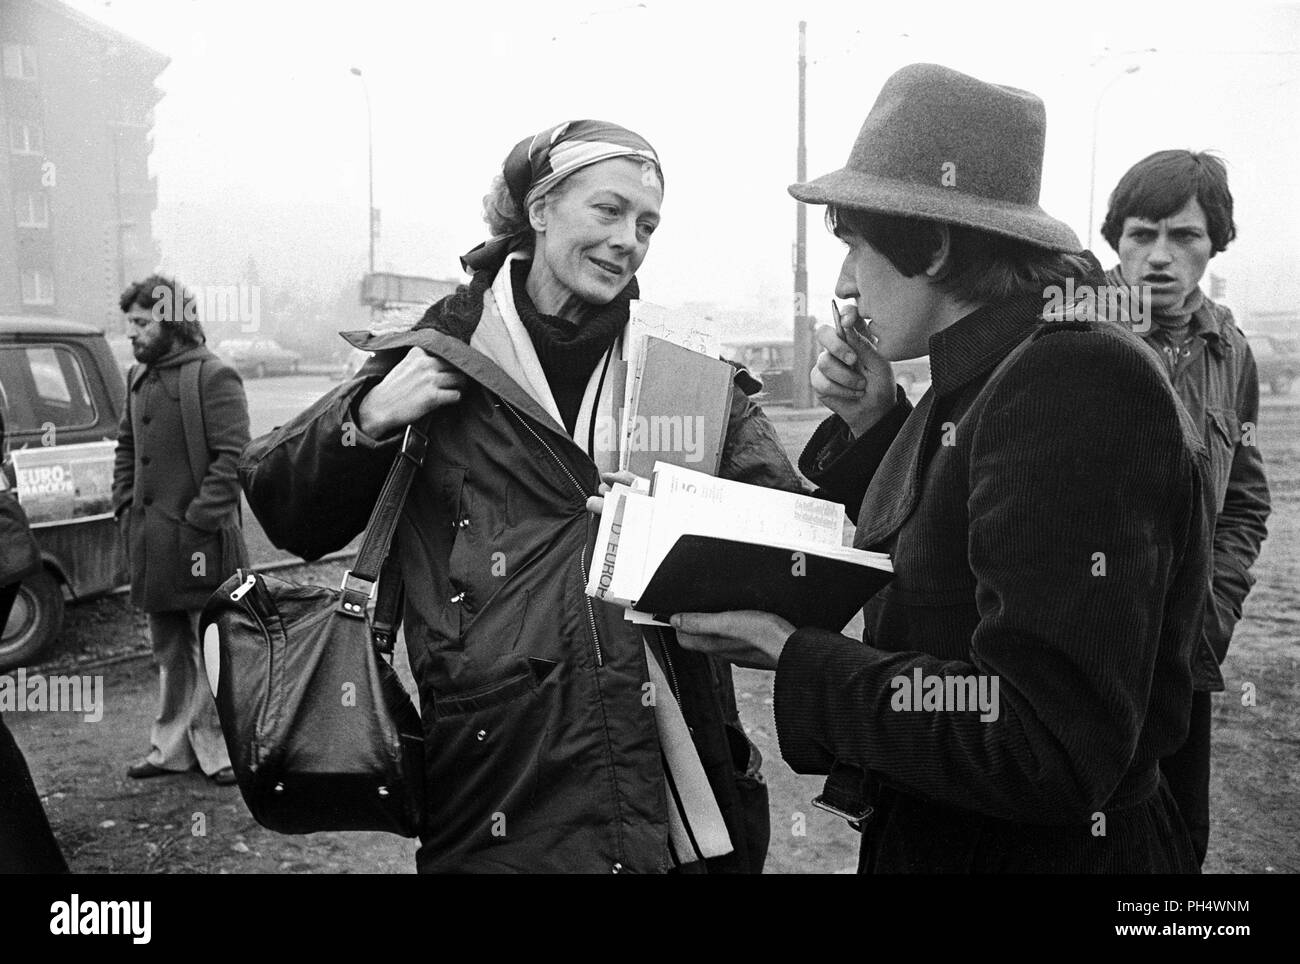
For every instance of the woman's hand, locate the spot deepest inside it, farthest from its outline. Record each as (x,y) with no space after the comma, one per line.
(746,638)
(596,503)
(417,385)
(851,378)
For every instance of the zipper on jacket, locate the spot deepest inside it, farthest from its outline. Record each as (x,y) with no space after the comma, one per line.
(582,561)
(238,592)
(668,666)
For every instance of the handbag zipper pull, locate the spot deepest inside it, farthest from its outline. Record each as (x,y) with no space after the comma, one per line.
(238,592)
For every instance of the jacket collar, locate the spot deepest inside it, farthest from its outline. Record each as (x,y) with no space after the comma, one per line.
(974,344)
(1205,322)
(174,359)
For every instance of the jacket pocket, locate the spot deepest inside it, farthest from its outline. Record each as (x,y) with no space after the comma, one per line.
(1222,433)
(496,692)
(201,558)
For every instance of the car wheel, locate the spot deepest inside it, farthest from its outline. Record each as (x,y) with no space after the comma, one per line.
(259,371)
(1281,385)
(34,621)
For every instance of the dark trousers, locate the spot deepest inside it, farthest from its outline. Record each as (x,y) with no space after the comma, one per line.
(27,845)
(1188,775)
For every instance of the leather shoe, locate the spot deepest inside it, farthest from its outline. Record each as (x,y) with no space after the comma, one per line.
(224,777)
(144,770)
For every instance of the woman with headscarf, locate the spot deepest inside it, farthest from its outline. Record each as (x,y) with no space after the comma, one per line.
(545,735)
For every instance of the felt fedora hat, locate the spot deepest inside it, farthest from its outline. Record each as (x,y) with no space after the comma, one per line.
(941,145)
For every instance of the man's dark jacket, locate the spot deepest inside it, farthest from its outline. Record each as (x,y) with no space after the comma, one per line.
(541,749)
(182,539)
(1049,529)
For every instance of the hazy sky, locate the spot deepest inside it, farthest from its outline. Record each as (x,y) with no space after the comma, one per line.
(261,139)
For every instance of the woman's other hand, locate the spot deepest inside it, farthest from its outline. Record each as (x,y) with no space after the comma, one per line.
(747,638)
(417,385)
(851,378)
(596,503)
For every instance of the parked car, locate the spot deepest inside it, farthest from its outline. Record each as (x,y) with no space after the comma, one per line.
(259,357)
(1278,360)
(771,361)
(63,394)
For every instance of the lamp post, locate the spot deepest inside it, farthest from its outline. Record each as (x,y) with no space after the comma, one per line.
(803,353)
(370,150)
(1092,170)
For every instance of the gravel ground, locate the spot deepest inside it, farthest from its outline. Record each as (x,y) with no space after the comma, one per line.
(109,824)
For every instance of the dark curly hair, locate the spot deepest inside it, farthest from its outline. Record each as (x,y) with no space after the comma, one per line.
(171,303)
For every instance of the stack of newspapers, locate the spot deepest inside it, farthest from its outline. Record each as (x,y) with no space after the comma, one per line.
(689,542)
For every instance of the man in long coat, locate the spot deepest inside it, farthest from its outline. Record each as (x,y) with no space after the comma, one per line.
(176,497)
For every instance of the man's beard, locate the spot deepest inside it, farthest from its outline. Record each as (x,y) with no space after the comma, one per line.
(148,354)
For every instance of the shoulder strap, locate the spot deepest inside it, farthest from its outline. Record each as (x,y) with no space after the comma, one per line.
(196,438)
(359,582)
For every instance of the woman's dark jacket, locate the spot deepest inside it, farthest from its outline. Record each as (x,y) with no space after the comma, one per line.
(541,749)
(1049,528)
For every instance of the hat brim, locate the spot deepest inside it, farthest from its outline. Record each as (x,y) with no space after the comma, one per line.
(867,192)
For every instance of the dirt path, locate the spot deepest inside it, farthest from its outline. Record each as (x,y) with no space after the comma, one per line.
(109,824)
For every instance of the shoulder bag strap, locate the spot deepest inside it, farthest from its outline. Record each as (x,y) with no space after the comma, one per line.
(196,438)
(359,582)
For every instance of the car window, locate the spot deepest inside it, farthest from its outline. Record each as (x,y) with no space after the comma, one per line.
(44,385)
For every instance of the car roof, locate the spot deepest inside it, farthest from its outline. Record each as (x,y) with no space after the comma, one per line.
(44,325)
(757,343)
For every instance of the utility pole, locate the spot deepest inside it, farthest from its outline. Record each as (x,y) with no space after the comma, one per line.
(802,394)
(370,156)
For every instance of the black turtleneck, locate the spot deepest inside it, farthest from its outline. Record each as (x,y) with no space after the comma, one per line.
(568,350)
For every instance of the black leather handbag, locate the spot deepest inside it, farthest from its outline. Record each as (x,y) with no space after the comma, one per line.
(321,733)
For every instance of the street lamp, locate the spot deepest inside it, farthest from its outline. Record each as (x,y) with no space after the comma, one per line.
(1092,170)
(370,149)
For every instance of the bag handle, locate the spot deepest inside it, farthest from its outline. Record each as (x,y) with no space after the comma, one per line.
(359,582)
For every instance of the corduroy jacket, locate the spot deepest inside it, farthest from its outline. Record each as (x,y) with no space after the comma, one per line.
(1046,509)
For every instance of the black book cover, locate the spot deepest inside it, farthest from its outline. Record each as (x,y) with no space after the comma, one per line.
(705,574)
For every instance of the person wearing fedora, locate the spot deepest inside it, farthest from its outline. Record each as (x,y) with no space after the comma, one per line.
(1027,668)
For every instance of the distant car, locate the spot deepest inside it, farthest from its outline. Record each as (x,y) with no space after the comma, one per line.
(259,357)
(356,358)
(912,372)
(1278,361)
(771,361)
(62,392)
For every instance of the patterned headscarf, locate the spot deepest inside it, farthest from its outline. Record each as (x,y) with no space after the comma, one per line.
(538,163)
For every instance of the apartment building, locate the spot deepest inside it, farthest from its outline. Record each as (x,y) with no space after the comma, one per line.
(76,195)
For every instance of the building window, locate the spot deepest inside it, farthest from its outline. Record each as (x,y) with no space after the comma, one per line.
(25,137)
(20,61)
(38,286)
(31,209)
